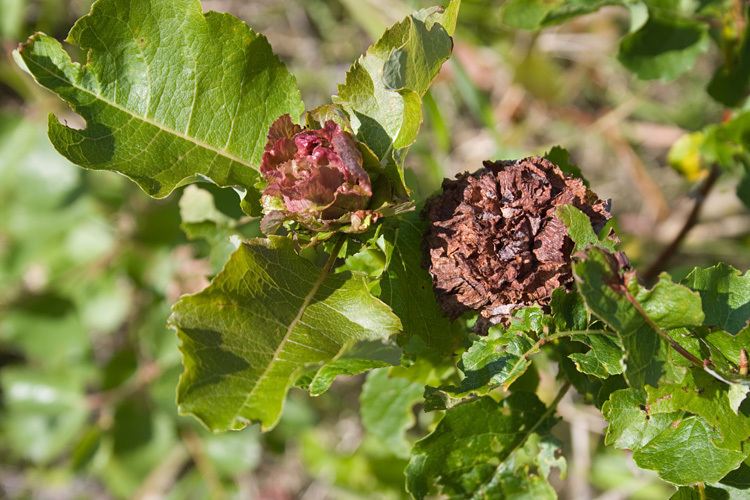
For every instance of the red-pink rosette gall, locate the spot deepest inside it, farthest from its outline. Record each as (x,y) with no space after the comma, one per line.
(315,178)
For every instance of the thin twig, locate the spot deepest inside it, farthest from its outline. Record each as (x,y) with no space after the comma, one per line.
(672,342)
(660,263)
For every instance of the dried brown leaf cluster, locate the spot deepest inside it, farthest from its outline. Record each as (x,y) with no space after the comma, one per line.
(494,242)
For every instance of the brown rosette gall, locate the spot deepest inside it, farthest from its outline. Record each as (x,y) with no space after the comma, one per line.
(315,178)
(494,242)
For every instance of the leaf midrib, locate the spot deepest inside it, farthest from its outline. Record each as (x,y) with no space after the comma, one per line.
(282,343)
(145,119)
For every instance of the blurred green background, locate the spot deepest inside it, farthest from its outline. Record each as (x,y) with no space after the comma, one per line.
(89,264)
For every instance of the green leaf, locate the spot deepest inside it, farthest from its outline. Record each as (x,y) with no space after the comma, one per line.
(729,85)
(524,14)
(202,220)
(267,317)
(681,447)
(684,453)
(665,47)
(734,486)
(568,9)
(437,399)
(631,425)
(729,345)
(725,295)
(701,394)
(498,359)
(603,359)
(407,287)
(386,407)
(561,157)
(637,315)
(727,141)
(580,230)
(167,92)
(470,452)
(532,14)
(568,311)
(382,94)
(495,361)
(362,356)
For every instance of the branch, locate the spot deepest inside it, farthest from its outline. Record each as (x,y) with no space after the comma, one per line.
(660,263)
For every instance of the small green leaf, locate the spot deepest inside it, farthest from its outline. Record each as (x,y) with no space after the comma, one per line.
(362,356)
(386,407)
(470,452)
(264,319)
(580,230)
(568,311)
(495,361)
(725,295)
(436,399)
(727,141)
(561,157)
(568,9)
(726,353)
(167,93)
(665,47)
(382,94)
(202,220)
(532,14)
(604,358)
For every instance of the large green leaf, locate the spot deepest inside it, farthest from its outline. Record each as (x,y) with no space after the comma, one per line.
(734,486)
(386,406)
(637,315)
(470,453)
(407,287)
(680,447)
(729,84)
(684,453)
(665,47)
(167,92)
(265,319)
(725,295)
(701,394)
(382,93)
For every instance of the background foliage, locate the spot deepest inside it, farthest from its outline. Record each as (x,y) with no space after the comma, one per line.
(90,265)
